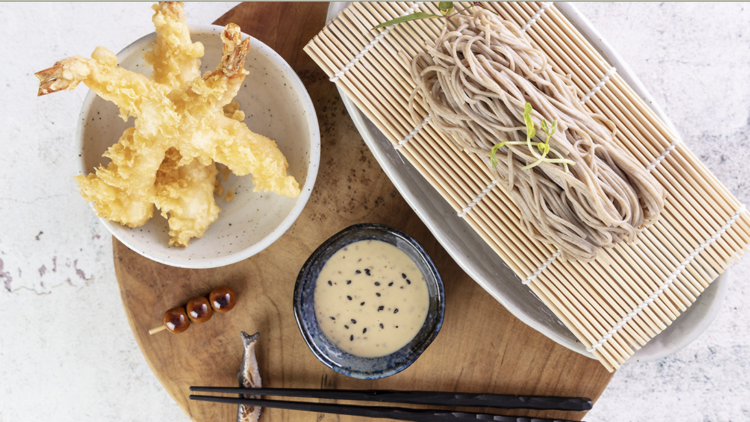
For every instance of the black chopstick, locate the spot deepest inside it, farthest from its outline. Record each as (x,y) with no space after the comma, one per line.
(398,413)
(500,401)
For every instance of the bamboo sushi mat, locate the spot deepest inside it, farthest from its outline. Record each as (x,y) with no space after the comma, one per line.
(631,292)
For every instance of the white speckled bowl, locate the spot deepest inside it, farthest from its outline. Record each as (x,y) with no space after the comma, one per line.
(277,105)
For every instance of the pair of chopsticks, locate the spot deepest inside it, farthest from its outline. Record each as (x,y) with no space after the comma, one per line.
(499,401)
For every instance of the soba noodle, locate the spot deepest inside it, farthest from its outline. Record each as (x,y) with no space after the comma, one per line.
(475,82)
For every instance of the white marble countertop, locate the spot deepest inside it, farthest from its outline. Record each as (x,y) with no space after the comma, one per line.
(64,336)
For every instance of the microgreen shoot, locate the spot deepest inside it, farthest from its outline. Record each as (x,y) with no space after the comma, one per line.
(446,11)
(530,130)
(407,18)
(543,147)
(446,7)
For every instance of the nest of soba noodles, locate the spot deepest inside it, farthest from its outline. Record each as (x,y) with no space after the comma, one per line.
(475,81)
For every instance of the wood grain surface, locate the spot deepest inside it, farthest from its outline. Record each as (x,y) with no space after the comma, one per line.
(481,348)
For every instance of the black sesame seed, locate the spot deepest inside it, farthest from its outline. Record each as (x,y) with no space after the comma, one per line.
(349,297)
(407,281)
(395,311)
(333,318)
(351,337)
(377,284)
(367,271)
(348,282)
(354,321)
(346,326)
(364,331)
(403,275)
(380,308)
(390,284)
(381,326)
(329,283)
(362,304)
(377,294)
(358,272)
(397,326)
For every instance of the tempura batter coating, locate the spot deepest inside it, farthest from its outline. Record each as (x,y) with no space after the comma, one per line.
(246,152)
(185,196)
(174,57)
(124,190)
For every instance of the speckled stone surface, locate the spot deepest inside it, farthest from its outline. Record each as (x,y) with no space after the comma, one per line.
(694,58)
(64,335)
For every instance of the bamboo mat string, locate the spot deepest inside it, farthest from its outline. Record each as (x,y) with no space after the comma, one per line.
(479,197)
(599,85)
(664,154)
(669,280)
(541,269)
(411,134)
(367,48)
(535,16)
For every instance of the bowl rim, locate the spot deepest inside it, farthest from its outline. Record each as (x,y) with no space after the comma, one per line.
(306,187)
(416,352)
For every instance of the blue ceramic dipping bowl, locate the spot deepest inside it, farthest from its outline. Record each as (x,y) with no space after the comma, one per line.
(327,351)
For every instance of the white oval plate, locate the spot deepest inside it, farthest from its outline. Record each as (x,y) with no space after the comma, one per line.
(482,264)
(276,104)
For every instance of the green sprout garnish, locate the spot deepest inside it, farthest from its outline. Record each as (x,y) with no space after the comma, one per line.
(446,7)
(543,147)
(446,11)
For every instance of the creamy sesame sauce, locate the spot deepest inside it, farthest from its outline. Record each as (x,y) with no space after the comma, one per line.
(370,298)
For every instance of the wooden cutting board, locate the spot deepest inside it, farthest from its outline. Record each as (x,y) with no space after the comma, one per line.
(481,347)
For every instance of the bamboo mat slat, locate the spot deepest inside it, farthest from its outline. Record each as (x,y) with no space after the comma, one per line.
(615,304)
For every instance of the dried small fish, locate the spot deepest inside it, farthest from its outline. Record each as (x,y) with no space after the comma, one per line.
(249,377)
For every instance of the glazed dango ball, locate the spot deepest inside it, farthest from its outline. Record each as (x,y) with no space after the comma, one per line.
(176,320)
(223,299)
(199,310)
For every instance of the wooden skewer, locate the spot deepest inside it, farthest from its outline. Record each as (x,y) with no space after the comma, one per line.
(157,329)
(220,300)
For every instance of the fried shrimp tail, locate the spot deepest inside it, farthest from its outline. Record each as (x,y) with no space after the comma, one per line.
(59,77)
(234,51)
(230,72)
(66,74)
(134,93)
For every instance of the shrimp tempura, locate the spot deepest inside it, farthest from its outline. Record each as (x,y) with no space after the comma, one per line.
(180,130)
(184,192)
